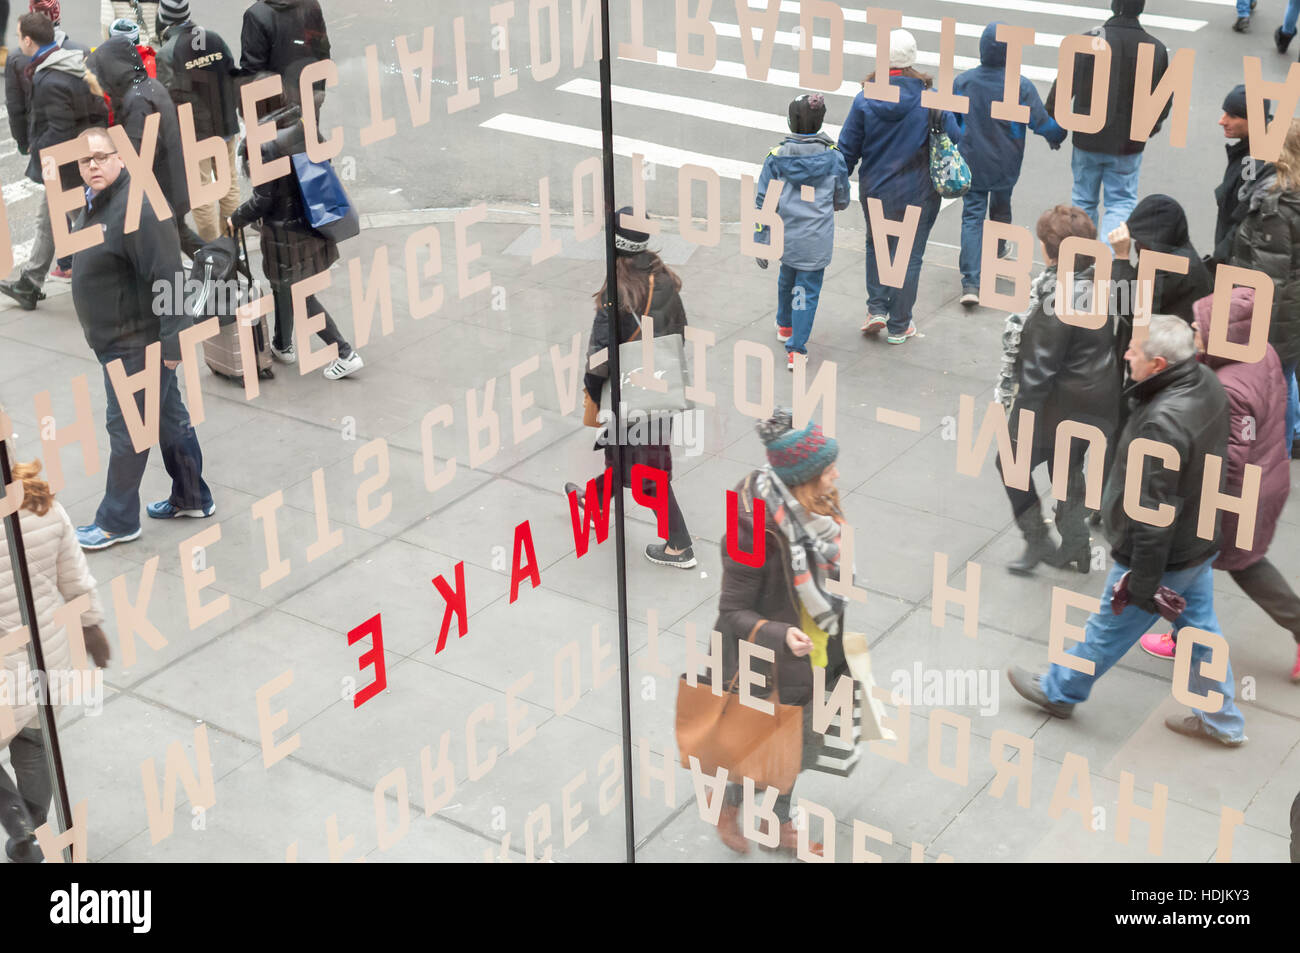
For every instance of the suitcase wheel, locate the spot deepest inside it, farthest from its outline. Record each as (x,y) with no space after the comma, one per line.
(266,373)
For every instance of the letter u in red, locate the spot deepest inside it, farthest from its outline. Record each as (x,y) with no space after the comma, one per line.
(756,557)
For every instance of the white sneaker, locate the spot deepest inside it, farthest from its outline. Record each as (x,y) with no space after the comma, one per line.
(340,368)
(288,356)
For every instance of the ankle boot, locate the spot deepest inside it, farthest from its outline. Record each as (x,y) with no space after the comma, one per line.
(1038,545)
(729,828)
(1072,523)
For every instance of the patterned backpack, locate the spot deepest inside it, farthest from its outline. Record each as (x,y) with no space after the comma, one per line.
(948,170)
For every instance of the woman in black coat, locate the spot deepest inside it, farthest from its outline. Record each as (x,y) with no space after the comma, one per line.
(291,249)
(784,605)
(636,266)
(1060,372)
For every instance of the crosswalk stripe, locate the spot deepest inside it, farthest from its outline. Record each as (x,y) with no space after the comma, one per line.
(1094,14)
(920,24)
(1043,74)
(775,77)
(685,106)
(20,189)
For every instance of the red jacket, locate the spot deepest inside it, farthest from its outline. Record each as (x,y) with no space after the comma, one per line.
(1257,401)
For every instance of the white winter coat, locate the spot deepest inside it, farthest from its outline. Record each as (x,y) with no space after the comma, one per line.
(59,574)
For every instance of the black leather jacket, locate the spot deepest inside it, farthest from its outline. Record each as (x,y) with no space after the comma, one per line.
(1185,407)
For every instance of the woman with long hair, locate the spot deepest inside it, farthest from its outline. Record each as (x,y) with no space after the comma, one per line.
(1268,240)
(646,286)
(59,575)
(892,140)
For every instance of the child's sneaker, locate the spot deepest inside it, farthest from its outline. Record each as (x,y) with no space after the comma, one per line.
(789,361)
(902,338)
(1159,644)
(784,334)
(875,324)
(1295,669)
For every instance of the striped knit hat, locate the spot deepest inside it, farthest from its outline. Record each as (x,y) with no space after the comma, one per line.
(796,456)
(173,11)
(49,7)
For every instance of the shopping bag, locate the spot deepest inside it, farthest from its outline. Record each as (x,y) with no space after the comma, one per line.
(948,170)
(859,659)
(329,210)
(669,352)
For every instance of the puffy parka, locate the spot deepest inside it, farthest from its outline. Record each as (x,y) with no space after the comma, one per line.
(1268,240)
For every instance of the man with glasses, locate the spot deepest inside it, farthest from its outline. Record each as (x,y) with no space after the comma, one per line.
(122,317)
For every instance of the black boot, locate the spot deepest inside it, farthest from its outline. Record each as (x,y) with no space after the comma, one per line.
(1038,545)
(21,846)
(1282,40)
(22,291)
(1071,522)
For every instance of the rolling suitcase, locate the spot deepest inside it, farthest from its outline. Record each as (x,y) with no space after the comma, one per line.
(222,273)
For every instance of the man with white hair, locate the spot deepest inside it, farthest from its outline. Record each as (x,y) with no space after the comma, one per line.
(1176,401)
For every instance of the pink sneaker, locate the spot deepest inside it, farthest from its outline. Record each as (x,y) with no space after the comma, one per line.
(1295,670)
(1159,644)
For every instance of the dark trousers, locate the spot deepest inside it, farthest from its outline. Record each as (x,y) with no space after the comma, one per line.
(679,537)
(119,512)
(1269,590)
(283,336)
(26,796)
(1022,500)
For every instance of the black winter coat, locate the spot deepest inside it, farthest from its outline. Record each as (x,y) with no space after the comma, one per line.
(291,249)
(114,283)
(1268,240)
(1124,34)
(1229,198)
(18,91)
(61,107)
(137,96)
(283,36)
(204,77)
(1066,372)
(767,592)
(1184,406)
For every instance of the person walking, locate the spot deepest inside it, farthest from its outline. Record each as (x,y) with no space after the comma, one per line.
(994,149)
(806,159)
(136,96)
(1244,10)
(56,100)
(785,605)
(1268,240)
(59,575)
(284,36)
(1238,178)
(646,286)
(207,83)
(1256,401)
(1179,402)
(1284,34)
(1059,372)
(131,30)
(892,141)
(291,249)
(1106,164)
(113,291)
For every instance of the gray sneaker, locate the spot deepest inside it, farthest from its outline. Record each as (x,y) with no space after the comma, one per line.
(1194,727)
(1028,684)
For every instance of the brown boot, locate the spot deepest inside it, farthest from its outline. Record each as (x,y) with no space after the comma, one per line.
(729,828)
(789,840)
(4,56)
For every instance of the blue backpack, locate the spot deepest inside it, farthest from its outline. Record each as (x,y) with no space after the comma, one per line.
(948,170)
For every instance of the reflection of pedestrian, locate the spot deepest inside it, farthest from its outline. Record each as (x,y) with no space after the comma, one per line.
(59,575)
(892,141)
(801,621)
(1179,402)
(1059,372)
(1256,398)
(636,266)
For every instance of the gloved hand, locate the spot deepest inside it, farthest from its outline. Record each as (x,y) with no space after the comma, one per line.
(97,645)
(1054,146)
(761,262)
(1164,602)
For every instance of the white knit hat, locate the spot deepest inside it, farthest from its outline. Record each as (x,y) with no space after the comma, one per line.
(902,49)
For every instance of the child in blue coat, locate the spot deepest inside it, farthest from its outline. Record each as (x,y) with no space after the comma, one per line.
(806,159)
(994,150)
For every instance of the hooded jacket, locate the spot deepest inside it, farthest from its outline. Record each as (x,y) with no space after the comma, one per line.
(809,227)
(892,140)
(291,249)
(1230,195)
(113,282)
(1159,223)
(1124,34)
(283,36)
(1185,407)
(995,148)
(1268,240)
(197,67)
(1257,404)
(136,96)
(63,104)
(18,90)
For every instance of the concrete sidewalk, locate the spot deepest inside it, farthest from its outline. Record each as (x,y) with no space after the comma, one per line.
(902,495)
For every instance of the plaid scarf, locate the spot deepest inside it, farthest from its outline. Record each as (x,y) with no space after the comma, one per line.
(1008,385)
(814,549)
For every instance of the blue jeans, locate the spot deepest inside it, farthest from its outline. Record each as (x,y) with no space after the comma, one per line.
(976,206)
(1292,404)
(1289,18)
(119,512)
(1096,173)
(794,314)
(897,302)
(1243,8)
(1109,636)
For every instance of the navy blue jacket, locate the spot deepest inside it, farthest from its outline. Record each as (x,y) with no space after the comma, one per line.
(892,140)
(995,148)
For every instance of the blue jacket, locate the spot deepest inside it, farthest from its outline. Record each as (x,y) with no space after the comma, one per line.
(893,142)
(809,226)
(995,148)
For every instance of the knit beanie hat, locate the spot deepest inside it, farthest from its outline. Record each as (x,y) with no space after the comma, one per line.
(49,7)
(796,456)
(902,49)
(1234,104)
(173,11)
(628,241)
(127,28)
